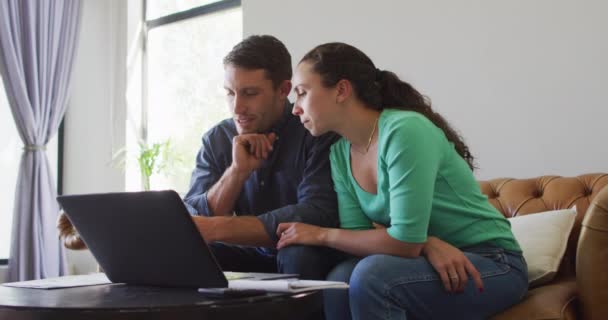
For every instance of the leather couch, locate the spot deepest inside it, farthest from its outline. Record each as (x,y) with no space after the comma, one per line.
(580,290)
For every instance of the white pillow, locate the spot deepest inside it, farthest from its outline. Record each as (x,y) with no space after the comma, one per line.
(543,237)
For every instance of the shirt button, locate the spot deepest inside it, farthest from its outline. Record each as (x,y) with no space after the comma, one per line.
(262,183)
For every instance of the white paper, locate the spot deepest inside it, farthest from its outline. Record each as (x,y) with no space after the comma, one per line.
(231,275)
(62,282)
(286,285)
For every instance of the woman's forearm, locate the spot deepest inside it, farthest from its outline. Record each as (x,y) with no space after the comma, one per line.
(430,241)
(368,242)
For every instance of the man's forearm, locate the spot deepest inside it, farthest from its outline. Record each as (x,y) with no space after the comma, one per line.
(248,231)
(221,198)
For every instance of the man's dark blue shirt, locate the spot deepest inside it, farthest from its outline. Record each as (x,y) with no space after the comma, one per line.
(293,185)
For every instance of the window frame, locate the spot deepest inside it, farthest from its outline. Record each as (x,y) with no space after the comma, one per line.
(163,21)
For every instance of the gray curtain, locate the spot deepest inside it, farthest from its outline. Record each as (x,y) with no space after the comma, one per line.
(37,47)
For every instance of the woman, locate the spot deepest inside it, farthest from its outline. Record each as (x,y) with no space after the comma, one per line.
(444,252)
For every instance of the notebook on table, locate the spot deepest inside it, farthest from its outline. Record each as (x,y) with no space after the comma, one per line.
(148,238)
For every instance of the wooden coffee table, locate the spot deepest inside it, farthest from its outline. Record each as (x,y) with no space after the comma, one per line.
(119,301)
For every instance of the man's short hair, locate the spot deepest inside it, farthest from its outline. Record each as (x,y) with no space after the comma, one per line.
(262,52)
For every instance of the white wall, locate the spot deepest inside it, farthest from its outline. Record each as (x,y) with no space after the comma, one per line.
(95,120)
(523,81)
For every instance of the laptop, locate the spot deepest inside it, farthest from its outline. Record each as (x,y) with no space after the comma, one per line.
(148,238)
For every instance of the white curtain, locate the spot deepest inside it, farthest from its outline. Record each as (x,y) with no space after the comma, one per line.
(37,47)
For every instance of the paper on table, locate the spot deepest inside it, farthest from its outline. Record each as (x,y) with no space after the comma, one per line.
(231,275)
(62,282)
(286,285)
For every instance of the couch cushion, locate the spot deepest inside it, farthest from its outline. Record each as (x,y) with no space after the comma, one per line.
(552,301)
(517,197)
(543,238)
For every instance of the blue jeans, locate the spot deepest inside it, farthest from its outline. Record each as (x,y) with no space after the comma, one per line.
(389,287)
(309,262)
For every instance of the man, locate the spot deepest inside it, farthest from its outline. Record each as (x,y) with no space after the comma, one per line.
(261,168)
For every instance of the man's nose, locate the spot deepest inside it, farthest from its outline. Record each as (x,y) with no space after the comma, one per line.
(239,105)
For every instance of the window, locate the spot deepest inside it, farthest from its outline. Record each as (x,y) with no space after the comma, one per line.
(183,92)
(156,9)
(11,149)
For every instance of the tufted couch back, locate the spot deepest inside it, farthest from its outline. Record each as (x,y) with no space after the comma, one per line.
(515,197)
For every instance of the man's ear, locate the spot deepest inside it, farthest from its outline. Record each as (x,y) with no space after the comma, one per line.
(344,90)
(285,88)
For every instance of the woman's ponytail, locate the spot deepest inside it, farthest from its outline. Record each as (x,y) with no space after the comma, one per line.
(378,89)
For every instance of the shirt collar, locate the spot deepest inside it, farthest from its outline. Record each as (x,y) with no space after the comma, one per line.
(279,125)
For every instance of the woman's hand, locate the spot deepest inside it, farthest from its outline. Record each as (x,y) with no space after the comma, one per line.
(300,233)
(451,264)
